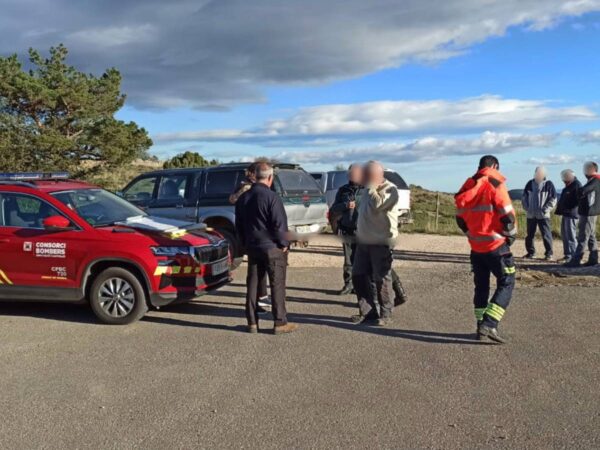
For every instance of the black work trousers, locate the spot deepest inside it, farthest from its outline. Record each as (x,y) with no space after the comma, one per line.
(262,263)
(372,277)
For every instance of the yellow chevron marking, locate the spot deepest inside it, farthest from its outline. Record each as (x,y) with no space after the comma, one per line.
(187,269)
(4,277)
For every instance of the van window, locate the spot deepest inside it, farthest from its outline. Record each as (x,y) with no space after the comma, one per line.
(297,182)
(172,187)
(141,190)
(220,182)
(338,179)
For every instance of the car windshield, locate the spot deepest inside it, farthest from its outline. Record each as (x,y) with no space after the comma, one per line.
(98,207)
(297,181)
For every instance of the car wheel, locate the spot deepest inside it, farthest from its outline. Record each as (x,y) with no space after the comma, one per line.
(234,247)
(117,297)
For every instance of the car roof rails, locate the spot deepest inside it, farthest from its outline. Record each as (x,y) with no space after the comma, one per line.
(33,176)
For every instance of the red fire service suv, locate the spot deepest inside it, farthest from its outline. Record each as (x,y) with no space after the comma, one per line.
(67,241)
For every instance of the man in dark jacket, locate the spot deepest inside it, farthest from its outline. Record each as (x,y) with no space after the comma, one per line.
(262,227)
(344,207)
(539,199)
(567,208)
(589,210)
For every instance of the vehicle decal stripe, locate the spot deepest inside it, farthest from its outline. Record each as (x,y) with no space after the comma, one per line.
(4,277)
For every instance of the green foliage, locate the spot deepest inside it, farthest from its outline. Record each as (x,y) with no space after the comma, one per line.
(53,117)
(188,159)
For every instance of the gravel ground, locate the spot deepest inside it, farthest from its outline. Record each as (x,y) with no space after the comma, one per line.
(189,377)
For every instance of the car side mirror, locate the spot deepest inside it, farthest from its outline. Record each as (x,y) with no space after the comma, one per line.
(57,223)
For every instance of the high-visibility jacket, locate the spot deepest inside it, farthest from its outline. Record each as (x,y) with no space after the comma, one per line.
(485,212)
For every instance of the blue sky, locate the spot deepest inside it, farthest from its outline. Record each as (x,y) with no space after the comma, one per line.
(427,87)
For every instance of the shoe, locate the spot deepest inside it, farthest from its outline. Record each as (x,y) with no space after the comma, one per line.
(548,258)
(591,263)
(252,329)
(261,310)
(529,256)
(485,331)
(400,297)
(284,329)
(359,319)
(564,260)
(348,289)
(384,321)
(572,263)
(265,302)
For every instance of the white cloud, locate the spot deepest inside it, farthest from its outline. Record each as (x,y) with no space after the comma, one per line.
(395,118)
(590,137)
(553,160)
(425,149)
(219,53)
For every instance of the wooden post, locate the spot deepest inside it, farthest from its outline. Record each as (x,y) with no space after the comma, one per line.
(437,212)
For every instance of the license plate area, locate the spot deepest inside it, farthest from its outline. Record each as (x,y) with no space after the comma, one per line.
(219,267)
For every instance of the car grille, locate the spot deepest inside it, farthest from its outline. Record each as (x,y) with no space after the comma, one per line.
(212,253)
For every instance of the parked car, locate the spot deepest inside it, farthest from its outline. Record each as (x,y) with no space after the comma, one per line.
(63,240)
(331,181)
(202,195)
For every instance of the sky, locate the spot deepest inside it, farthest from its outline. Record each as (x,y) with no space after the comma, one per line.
(426,87)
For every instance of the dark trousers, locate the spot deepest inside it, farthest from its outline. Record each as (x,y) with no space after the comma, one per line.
(501,264)
(371,275)
(349,246)
(586,236)
(260,264)
(545,230)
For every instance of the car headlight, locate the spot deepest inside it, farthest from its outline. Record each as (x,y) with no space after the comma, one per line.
(171,251)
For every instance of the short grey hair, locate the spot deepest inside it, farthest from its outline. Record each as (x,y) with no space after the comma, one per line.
(590,166)
(263,171)
(567,173)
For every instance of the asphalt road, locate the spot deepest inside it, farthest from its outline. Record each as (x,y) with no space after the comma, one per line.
(189,377)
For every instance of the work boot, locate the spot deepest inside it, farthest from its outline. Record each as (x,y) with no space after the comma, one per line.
(384,321)
(548,258)
(252,329)
(529,256)
(593,261)
(491,333)
(572,263)
(347,289)
(400,296)
(284,329)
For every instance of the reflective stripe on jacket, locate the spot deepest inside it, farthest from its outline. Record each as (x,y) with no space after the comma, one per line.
(484,211)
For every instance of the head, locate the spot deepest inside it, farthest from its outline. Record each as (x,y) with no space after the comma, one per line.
(263,173)
(250,172)
(355,173)
(590,169)
(539,174)
(568,176)
(489,161)
(373,174)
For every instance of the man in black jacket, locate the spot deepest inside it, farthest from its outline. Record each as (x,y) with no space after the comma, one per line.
(262,227)
(344,207)
(567,208)
(589,210)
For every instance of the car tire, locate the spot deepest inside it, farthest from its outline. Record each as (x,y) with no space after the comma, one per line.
(117,297)
(234,247)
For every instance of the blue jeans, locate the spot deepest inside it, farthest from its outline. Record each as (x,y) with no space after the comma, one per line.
(545,230)
(568,233)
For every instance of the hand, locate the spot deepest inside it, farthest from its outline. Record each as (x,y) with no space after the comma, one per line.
(510,240)
(351,205)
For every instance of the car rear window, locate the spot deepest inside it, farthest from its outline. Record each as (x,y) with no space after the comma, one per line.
(297,182)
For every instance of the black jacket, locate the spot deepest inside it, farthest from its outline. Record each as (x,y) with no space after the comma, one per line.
(589,197)
(260,219)
(346,218)
(568,201)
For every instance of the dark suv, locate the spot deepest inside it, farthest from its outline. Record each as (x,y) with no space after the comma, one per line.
(202,194)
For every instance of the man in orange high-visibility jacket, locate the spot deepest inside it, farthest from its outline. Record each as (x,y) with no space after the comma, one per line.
(485,214)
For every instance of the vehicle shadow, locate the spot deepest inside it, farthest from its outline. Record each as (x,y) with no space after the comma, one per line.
(64,312)
(404,255)
(292,298)
(333,292)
